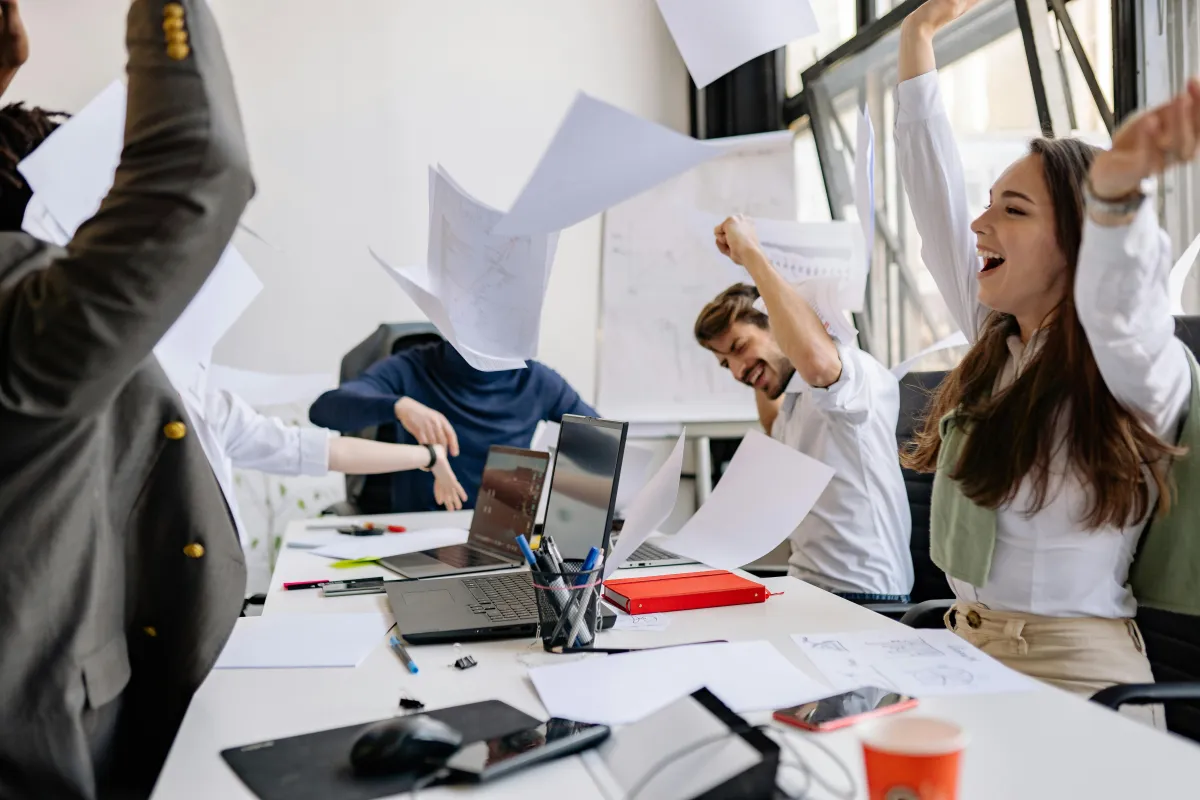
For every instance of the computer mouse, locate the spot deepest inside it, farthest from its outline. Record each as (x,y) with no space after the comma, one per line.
(417,744)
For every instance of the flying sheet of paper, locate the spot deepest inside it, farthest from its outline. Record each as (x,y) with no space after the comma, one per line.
(282,641)
(415,283)
(39,222)
(545,436)
(265,389)
(185,351)
(492,286)
(391,544)
(766,490)
(620,689)
(921,663)
(956,339)
(600,156)
(635,470)
(73,169)
(1179,273)
(649,509)
(864,193)
(717,36)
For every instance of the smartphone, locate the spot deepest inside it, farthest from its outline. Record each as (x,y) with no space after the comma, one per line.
(495,758)
(840,710)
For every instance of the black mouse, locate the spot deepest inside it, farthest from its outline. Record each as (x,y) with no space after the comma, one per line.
(417,744)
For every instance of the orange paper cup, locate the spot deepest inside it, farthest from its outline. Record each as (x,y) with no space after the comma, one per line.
(913,758)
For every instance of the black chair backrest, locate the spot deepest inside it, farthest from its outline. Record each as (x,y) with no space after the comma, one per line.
(372,494)
(929,582)
(1173,640)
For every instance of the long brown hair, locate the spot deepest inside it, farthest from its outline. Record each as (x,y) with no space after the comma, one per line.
(1015,433)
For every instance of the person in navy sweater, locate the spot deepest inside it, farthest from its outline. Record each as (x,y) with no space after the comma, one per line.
(430,395)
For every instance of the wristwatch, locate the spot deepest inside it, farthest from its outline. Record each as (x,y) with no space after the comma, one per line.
(1122,206)
(433,457)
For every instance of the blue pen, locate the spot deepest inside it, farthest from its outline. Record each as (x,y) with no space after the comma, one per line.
(523,543)
(589,564)
(399,650)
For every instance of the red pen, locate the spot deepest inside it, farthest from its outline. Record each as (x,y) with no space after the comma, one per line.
(305,584)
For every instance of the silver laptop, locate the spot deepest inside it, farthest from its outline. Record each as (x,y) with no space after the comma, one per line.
(509,493)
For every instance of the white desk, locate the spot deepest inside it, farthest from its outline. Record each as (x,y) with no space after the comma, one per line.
(1044,744)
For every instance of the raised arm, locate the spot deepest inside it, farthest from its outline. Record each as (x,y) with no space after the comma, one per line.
(74,332)
(931,168)
(1121,284)
(14,43)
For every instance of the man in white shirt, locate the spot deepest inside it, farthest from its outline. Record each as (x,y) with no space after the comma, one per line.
(830,401)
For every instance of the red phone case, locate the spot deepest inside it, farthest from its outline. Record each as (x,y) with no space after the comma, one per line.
(843,722)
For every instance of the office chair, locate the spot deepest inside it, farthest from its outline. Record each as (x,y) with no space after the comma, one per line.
(388,339)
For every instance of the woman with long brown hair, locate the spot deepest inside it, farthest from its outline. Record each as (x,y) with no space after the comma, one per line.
(1055,441)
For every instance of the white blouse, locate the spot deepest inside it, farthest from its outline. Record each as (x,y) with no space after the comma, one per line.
(1048,563)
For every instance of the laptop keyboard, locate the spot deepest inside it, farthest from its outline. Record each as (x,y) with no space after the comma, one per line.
(649,552)
(504,598)
(463,556)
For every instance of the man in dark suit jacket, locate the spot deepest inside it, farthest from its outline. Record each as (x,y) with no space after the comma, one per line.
(120,572)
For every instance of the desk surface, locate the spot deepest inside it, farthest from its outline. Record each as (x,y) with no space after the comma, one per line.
(1044,744)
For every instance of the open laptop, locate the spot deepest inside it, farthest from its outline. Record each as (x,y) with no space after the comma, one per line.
(509,493)
(583,491)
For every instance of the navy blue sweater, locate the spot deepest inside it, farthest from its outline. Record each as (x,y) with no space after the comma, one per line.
(485,408)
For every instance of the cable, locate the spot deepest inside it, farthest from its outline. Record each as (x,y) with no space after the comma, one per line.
(812,775)
(424,782)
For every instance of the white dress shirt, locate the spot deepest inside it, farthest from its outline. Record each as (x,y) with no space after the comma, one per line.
(235,435)
(1048,563)
(856,538)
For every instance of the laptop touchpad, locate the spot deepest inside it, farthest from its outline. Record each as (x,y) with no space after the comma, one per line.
(437,597)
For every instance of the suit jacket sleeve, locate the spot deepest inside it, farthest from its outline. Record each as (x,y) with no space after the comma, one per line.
(72,334)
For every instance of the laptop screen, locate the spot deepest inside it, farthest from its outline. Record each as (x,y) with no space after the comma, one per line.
(583,487)
(508,498)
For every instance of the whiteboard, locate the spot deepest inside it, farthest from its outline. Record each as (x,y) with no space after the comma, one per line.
(660,267)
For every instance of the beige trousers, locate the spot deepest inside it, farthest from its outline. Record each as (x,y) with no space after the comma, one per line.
(1081,655)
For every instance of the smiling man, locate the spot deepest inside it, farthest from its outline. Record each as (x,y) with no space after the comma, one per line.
(830,401)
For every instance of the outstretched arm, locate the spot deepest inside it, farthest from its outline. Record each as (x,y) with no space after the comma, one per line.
(14,42)
(74,332)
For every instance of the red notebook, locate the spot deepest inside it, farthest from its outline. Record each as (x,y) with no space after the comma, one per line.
(710,589)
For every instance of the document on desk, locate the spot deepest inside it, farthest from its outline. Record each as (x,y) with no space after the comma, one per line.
(921,663)
(649,509)
(390,544)
(265,389)
(640,622)
(414,281)
(599,156)
(492,286)
(728,532)
(300,641)
(717,36)
(620,689)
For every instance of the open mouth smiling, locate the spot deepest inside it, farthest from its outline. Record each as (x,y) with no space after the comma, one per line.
(991,260)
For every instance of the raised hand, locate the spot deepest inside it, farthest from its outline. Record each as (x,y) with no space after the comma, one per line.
(14,42)
(937,14)
(1147,144)
(426,425)
(737,238)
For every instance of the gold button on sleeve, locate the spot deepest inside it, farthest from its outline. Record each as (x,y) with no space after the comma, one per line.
(194,550)
(175,431)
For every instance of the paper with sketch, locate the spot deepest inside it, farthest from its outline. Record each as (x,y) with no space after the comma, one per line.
(957,339)
(282,641)
(620,689)
(714,37)
(390,544)
(492,286)
(640,622)
(599,156)
(649,509)
(1179,273)
(921,663)
(185,351)
(730,530)
(73,169)
(414,281)
(265,389)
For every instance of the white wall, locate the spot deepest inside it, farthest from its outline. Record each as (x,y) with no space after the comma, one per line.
(346,104)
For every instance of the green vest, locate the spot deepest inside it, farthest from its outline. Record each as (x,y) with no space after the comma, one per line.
(1166,571)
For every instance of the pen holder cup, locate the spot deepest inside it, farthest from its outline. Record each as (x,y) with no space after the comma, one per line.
(568,603)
